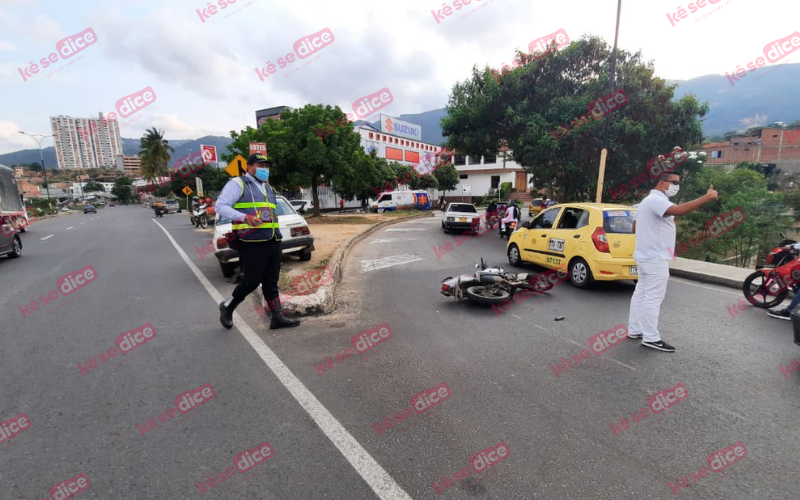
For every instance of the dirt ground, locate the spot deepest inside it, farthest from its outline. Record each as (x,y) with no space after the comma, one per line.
(330,231)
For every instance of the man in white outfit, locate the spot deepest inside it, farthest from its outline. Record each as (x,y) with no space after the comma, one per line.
(655,246)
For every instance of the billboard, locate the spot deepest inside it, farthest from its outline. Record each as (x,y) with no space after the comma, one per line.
(400,128)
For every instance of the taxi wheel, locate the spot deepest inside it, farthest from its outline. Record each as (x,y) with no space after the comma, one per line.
(579,274)
(514,258)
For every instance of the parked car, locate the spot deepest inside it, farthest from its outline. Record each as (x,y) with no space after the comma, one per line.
(297,238)
(172,206)
(593,241)
(461,216)
(10,243)
(536,206)
(89,208)
(302,206)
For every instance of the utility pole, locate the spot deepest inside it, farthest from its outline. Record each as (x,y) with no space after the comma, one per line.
(41,156)
(612,78)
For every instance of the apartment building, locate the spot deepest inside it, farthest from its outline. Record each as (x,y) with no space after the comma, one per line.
(86,142)
(130,166)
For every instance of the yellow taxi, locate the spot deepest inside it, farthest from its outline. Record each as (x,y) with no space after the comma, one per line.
(594,241)
(535,207)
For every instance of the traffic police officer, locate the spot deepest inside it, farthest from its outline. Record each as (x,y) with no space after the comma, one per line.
(250,203)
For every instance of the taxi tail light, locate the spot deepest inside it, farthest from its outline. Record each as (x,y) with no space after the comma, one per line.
(222,243)
(600,240)
(300,231)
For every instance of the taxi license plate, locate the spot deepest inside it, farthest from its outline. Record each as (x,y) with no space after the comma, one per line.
(634,270)
(462,219)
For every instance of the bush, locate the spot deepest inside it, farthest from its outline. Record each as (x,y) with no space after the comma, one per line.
(505,188)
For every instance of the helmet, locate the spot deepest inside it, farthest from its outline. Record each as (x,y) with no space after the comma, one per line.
(208,200)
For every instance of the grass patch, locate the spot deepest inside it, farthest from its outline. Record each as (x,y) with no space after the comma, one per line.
(406,213)
(341,219)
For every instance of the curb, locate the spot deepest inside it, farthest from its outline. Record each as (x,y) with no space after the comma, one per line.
(323,301)
(706,278)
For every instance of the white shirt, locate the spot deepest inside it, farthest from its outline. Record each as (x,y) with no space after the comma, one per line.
(655,233)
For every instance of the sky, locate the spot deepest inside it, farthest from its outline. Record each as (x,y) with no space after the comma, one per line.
(201,67)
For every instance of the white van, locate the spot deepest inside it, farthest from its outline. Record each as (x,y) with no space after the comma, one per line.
(401,200)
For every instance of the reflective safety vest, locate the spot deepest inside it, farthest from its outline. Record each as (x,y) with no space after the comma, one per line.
(255,201)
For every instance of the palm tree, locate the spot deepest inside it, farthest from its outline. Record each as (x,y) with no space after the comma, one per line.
(154,152)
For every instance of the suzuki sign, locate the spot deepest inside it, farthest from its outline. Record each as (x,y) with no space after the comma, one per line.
(400,128)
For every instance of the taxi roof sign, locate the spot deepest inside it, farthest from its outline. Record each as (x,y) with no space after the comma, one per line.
(237,166)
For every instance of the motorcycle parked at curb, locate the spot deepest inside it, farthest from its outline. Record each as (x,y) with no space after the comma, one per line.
(488,286)
(199,216)
(767,287)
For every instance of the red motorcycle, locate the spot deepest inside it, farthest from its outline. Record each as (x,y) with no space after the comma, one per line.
(767,287)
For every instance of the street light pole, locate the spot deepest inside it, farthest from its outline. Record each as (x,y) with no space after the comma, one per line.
(41,155)
(612,78)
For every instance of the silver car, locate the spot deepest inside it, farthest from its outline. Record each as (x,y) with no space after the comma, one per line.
(10,243)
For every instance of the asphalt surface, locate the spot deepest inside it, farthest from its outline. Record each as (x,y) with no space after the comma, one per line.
(327,426)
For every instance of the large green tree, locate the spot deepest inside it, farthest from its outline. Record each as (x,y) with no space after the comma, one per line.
(93,186)
(526,107)
(154,152)
(447,177)
(122,189)
(301,157)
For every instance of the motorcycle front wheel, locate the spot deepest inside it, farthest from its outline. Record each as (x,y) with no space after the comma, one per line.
(487,295)
(756,289)
(203,221)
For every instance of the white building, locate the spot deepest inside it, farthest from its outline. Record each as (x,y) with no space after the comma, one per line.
(86,142)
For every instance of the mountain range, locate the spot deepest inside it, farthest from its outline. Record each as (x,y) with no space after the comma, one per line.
(759,98)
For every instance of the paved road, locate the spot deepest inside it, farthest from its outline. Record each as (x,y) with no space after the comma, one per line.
(327,427)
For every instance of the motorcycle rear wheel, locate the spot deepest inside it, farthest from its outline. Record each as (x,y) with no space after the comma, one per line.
(486,295)
(755,286)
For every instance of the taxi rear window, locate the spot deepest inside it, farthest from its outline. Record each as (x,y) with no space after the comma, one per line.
(618,221)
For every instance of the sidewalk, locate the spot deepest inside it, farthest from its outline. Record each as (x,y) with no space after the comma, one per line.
(707,272)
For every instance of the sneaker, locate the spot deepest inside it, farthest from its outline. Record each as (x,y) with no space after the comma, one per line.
(781,314)
(635,335)
(660,345)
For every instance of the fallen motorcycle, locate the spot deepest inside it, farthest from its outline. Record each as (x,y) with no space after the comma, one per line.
(767,287)
(488,286)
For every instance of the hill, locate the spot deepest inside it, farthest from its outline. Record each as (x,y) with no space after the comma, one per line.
(747,103)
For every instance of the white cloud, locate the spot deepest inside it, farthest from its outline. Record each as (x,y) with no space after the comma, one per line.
(39,28)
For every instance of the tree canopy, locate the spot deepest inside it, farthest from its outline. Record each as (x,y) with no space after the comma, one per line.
(522,108)
(154,152)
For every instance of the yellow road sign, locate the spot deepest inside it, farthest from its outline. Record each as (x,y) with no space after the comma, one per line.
(236,166)
(187,191)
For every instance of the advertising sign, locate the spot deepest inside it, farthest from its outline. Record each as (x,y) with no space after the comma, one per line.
(199,184)
(209,153)
(400,128)
(258,148)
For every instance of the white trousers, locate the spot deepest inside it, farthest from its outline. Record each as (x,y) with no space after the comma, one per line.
(647,298)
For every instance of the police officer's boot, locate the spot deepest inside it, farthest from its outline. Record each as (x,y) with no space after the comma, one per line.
(277,319)
(226,311)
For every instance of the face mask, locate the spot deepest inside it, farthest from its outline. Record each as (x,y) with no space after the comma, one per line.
(262,174)
(672,190)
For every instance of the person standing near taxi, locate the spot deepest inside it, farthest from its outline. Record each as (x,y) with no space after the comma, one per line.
(250,202)
(654,228)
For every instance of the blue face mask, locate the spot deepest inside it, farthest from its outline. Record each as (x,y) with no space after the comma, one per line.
(262,174)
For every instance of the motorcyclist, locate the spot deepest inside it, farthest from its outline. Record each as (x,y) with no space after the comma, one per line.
(512,214)
(787,312)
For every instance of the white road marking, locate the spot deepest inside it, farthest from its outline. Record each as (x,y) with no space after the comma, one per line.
(408,229)
(394,260)
(374,475)
(83,223)
(50,236)
(70,227)
(391,240)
